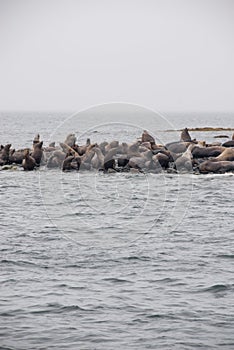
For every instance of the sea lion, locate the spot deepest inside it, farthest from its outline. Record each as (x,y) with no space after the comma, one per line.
(161,159)
(82,149)
(16,156)
(97,160)
(184,162)
(205,152)
(111,145)
(29,162)
(227,154)
(122,162)
(109,164)
(185,137)
(102,147)
(87,157)
(68,149)
(4,154)
(56,159)
(70,140)
(221,137)
(37,152)
(36,139)
(146,137)
(177,146)
(220,167)
(229,143)
(145,145)
(71,163)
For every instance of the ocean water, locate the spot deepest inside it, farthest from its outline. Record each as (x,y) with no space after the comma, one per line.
(107,261)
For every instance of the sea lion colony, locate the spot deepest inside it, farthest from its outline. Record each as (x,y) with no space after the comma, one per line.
(143,155)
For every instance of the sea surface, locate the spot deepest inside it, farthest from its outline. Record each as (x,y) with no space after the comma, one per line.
(115,261)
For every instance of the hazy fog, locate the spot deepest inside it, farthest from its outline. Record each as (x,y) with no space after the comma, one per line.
(67,55)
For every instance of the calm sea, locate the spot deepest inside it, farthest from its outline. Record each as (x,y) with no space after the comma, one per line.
(115,261)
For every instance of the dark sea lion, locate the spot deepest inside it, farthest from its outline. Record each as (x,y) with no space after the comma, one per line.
(161,159)
(220,167)
(221,137)
(67,163)
(29,162)
(109,164)
(37,152)
(82,149)
(185,137)
(205,152)
(228,144)
(71,163)
(4,154)
(16,156)
(122,162)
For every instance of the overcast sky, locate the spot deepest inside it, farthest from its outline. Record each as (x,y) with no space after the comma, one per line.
(173,55)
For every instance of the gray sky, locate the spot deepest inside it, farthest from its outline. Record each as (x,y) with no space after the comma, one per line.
(169,55)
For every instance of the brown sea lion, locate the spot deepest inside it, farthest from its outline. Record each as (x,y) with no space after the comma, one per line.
(37,152)
(220,167)
(146,137)
(71,163)
(161,159)
(82,149)
(145,145)
(29,162)
(227,154)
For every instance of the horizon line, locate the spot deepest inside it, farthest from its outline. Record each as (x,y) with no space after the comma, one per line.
(80,111)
